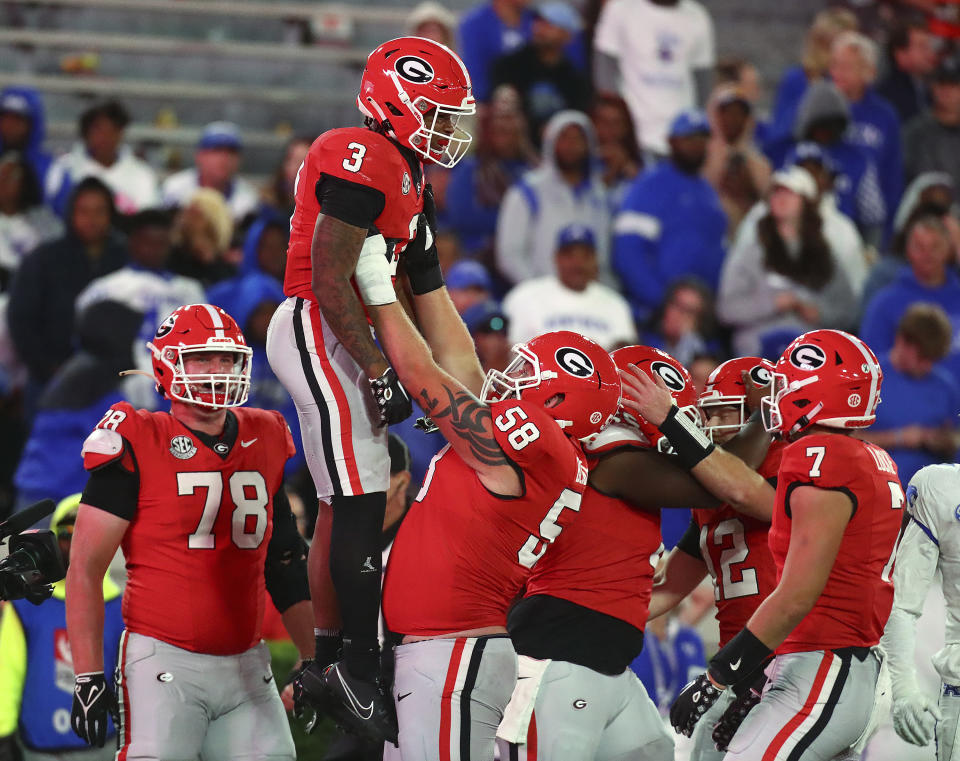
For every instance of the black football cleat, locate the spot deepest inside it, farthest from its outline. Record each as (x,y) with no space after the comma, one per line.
(358,706)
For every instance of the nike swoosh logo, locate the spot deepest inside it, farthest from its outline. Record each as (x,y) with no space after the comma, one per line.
(355,705)
(245,444)
(736,664)
(405,695)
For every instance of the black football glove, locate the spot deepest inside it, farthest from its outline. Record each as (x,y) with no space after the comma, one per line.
(748,695)
(93,701)
(391,397)
(692,703)
(420,260)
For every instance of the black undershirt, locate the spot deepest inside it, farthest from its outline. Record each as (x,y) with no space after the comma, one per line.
(546,627)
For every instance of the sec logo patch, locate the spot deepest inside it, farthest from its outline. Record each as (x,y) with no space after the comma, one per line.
(182,447)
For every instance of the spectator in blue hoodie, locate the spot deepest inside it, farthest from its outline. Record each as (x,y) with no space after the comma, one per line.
(874,124)
(23,129)
(251,297)
(823,118)
(930,276)
(75,400)
(671,223)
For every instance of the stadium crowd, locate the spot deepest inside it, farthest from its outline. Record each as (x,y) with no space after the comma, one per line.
(623,185)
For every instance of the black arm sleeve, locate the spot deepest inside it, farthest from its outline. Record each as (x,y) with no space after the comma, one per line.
(350,202)
(690,541)
(285,571)
(113,489)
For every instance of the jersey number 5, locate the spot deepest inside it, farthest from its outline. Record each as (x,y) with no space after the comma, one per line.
(353,163)
(248,491)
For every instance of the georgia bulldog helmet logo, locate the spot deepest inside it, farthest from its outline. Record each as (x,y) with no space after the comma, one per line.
(808,357)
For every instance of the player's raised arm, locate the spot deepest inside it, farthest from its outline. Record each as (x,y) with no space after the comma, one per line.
(462,418)
(334,253)
(722,473)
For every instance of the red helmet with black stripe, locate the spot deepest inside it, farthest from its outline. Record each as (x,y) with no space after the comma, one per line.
(825,377)
(572,377)
(196,329)
(417,90)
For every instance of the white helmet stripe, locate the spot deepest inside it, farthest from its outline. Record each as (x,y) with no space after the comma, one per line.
(217,320)
(869,361)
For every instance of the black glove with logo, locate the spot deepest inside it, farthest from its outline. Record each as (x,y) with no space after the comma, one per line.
(748,695)
(93,702)
(692,703)
(391,397)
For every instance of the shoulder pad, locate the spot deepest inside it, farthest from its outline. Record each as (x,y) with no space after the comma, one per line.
(934,494)
(101,447)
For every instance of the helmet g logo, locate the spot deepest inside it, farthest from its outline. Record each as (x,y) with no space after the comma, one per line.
(808,357)
(574,362)
(669,375)
(166,326)
(760,375)
(414,69)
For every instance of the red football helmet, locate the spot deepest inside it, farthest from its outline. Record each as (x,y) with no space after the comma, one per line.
(410,79)
(565,365)
(193,329)
(725,388)
(826,377)
(659,364)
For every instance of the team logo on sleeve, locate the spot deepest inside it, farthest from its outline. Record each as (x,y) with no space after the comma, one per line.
(405,184)
(574,362)
(808,357)
(414,69)
(670,375)
(760,375)
(182,447)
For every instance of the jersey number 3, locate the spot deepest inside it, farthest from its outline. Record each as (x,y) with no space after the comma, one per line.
(248,491)
(355,161)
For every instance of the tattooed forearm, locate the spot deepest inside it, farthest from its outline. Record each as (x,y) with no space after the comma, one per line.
(334,253)
(462,415)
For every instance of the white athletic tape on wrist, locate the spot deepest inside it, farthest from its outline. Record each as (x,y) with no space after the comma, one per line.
(516,716)
(372,273)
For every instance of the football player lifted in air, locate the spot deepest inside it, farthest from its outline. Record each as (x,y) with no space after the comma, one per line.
(580,623)
(195,498)
(930,542)
(836,518)
(494,499)
(361,189)
(730,546)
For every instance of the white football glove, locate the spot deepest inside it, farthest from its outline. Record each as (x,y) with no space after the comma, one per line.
(914,718)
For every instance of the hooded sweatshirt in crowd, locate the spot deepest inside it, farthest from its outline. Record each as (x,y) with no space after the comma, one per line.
(541,204)
(28,100)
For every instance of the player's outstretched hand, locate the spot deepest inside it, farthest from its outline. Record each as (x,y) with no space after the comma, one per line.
(93,701)
(755,392)
(650,398)
(391,398)
(692,703)
(914,718)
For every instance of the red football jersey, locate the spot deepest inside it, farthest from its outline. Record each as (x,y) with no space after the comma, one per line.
(196,546)
(462,554)
(367,158)
(855,603)
(735,549)
(604,561)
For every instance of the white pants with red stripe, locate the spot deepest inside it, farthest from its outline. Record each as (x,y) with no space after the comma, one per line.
(583,715)
(345,448)
(450,696)
(176,705)
(814,707)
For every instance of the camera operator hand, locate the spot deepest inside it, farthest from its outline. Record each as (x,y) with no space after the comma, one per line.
(93,701)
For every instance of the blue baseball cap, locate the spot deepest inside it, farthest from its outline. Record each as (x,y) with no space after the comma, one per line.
(691,121)
(559,14)
(221,135)
(808,150)
(576,233)
(485,317)
(469,274)
(15,103)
